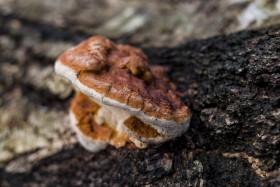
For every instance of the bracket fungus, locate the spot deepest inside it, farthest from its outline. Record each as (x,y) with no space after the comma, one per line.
(120,99)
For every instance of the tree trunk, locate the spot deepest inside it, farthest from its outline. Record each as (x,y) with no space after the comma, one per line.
(231,83)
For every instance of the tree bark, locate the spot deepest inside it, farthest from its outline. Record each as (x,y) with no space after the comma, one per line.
(231,83)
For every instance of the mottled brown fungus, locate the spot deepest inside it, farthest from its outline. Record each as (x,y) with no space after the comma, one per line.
(132,99)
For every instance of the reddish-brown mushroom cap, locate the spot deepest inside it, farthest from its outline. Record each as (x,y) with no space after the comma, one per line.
(121,73)
(119,76)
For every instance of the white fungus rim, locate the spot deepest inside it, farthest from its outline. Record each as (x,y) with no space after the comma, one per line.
(168,128)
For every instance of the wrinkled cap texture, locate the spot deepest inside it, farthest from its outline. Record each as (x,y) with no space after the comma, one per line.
(121,73)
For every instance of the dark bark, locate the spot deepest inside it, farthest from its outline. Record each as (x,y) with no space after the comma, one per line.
(231,83)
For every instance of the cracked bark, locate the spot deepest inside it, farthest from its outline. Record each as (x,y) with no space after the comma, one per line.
(231,83)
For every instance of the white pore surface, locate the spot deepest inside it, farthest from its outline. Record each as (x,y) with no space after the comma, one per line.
(114,117)
(168,128)
(87,142)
